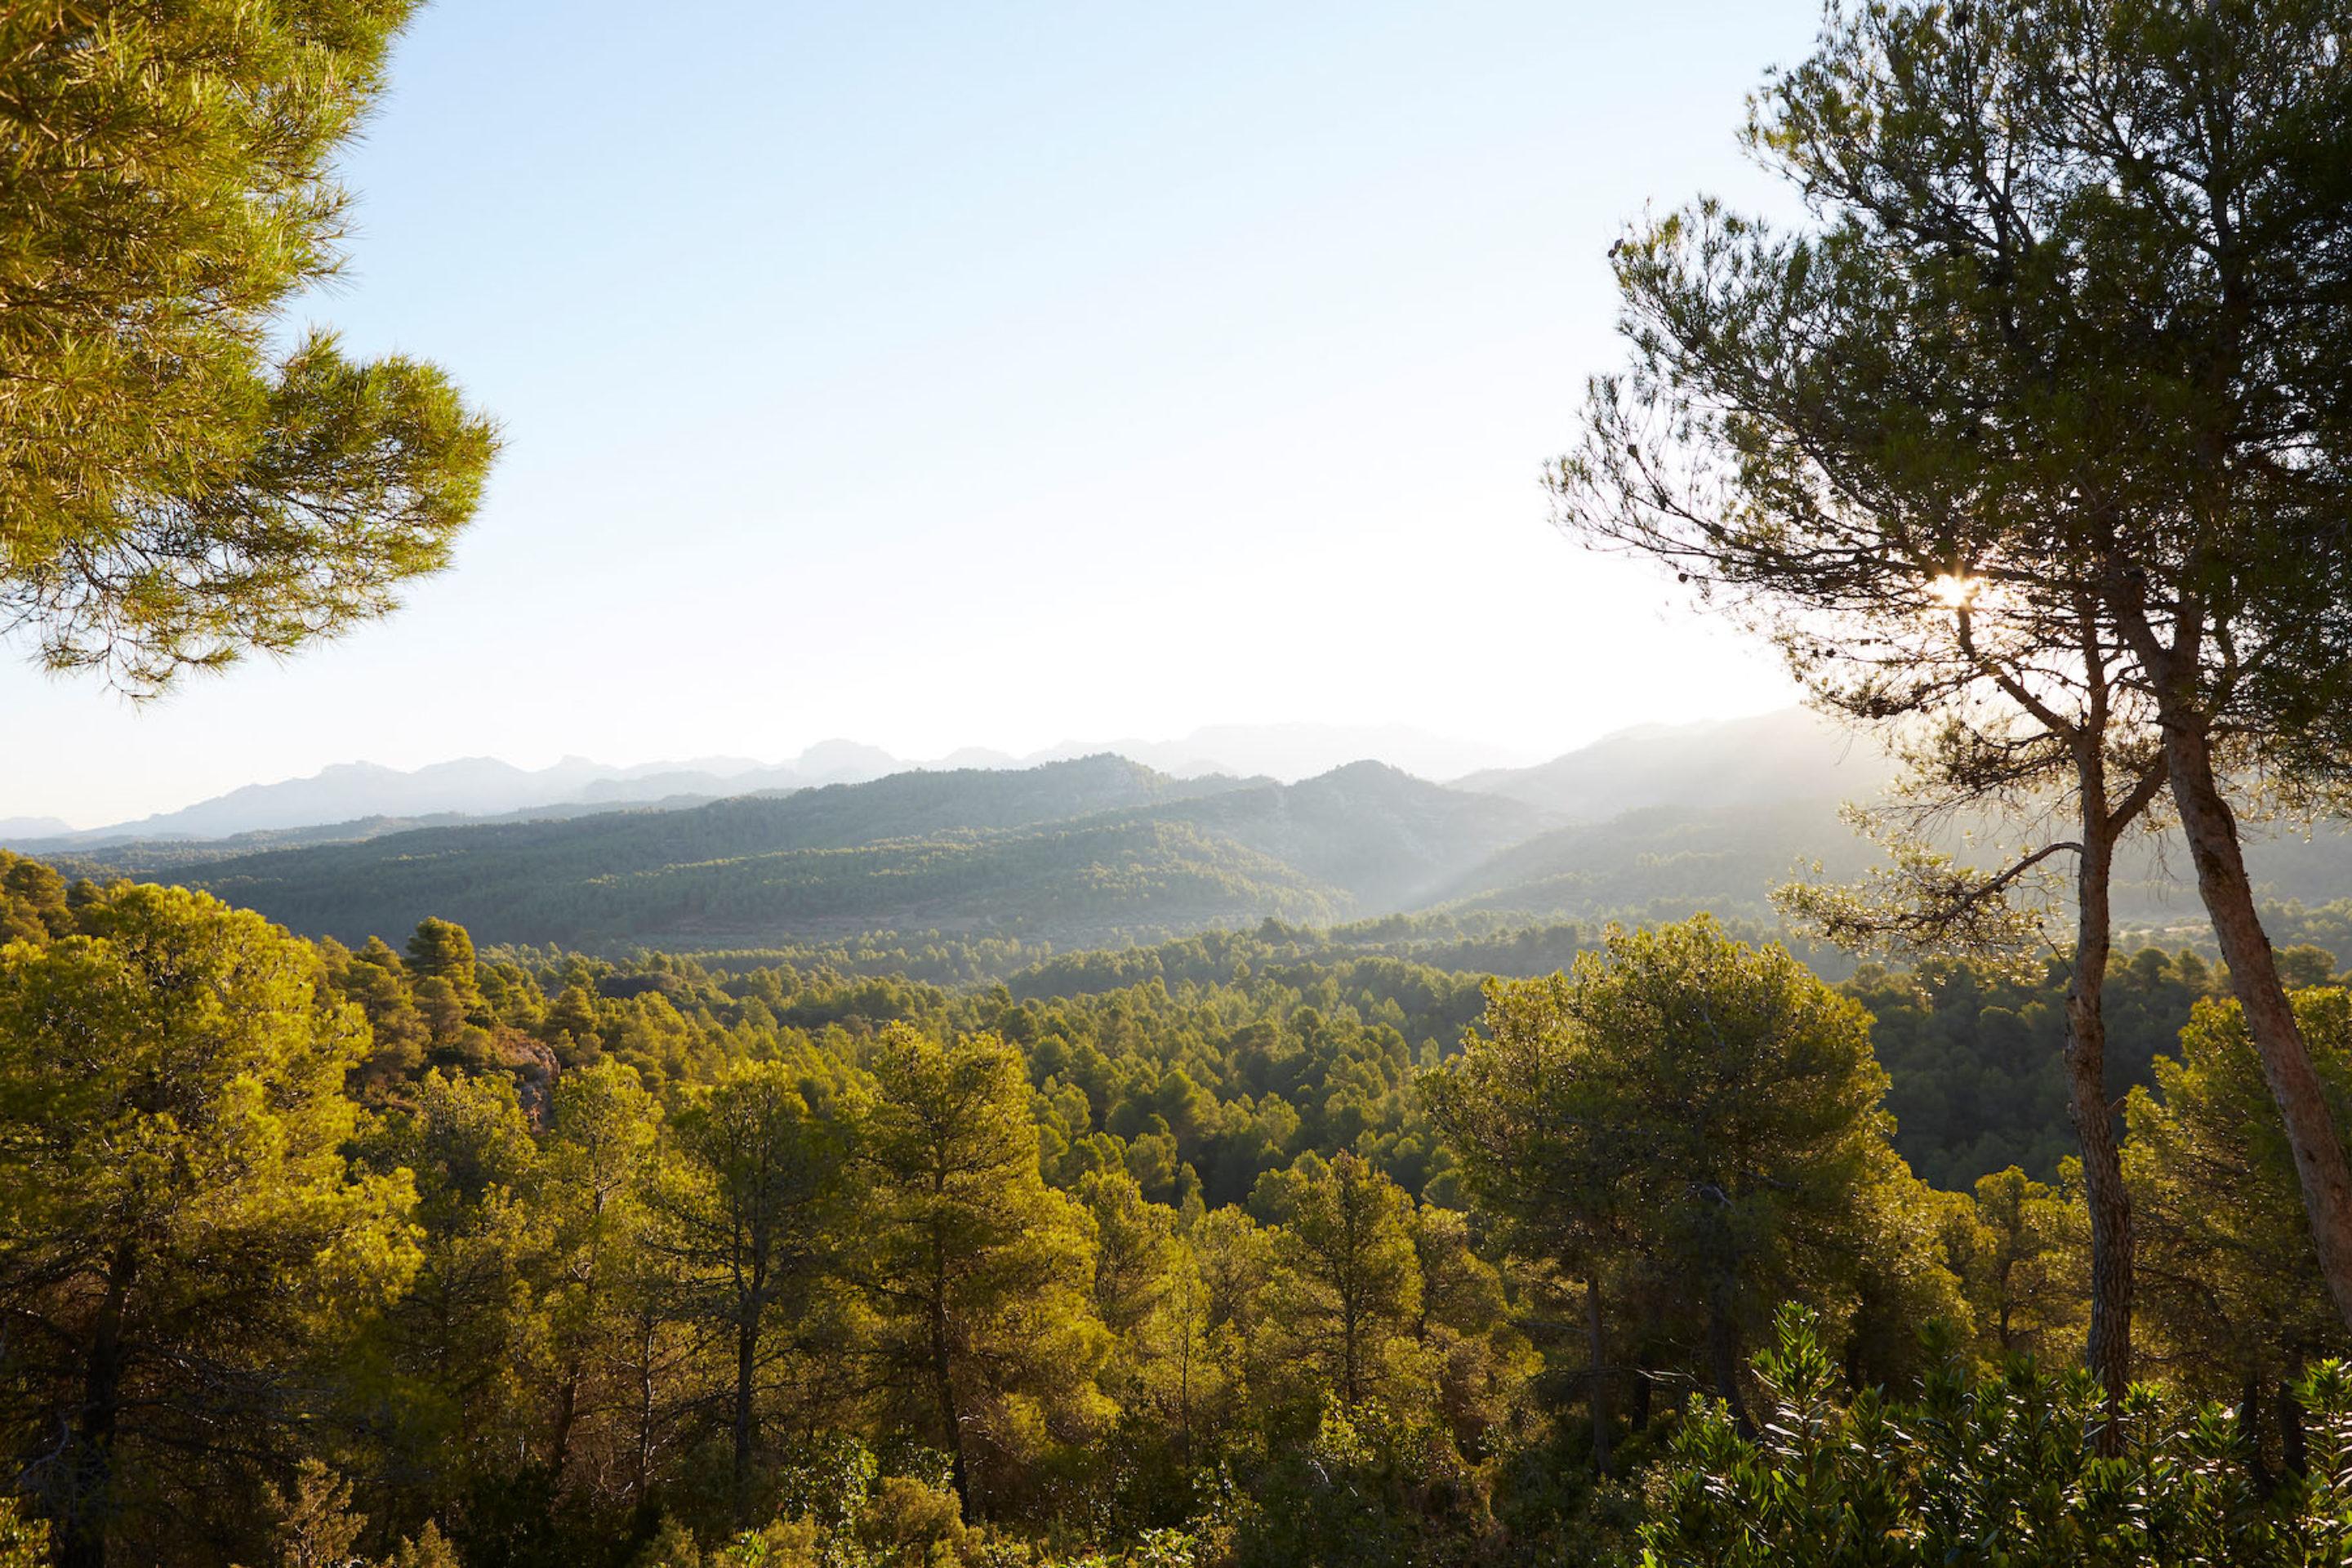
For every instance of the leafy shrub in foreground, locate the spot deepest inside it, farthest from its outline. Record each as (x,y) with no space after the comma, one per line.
(1990,1474)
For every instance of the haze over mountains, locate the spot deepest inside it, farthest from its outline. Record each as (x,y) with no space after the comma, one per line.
(1792,754)
(360,792)
(1096,850)
(1093,851)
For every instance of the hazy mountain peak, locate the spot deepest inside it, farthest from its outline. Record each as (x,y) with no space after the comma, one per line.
(841,759)
(1790,755)
(360,792)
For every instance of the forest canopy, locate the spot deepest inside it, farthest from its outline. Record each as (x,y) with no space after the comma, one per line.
(1243,1248)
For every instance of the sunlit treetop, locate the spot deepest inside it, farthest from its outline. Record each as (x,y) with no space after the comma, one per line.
(179,485)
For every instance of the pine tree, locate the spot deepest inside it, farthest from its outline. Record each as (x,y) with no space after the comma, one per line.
(178,1220)
(981,1275)
(1347,1280)
(2235,1293)
(749,1219)
(449,1371)
(602,1158)
(175,491)
(1697,1115)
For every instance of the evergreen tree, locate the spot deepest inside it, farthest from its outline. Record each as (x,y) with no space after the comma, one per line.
(601,1160)
(178,1220)
(2235,1287)
(456,1360)
(1347,1280)
(750,1219)
(2045,404)
(980,1274)
(173,491)
(1745,1142)
(2018,1267)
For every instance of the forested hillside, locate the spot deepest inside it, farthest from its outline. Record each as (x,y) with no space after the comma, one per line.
(1078,853)
(1088,1165)
(1227,1279)
(1099,851)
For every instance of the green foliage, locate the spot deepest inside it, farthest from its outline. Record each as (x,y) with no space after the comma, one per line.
(1692,1127)
(31,900)
(1371,1486)
(174,493)
(448,1368)
(179,1221)
(2000,1470)
(24,1543)
(1973,1054)
(980,1276)
(748,1214)
(1217,1248)
(2229,1275)
(1347,1281)
(2018,1254)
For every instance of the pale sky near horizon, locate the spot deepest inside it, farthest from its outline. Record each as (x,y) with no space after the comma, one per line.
(992,375)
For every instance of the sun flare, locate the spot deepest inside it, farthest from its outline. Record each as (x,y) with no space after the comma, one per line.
(1954,590)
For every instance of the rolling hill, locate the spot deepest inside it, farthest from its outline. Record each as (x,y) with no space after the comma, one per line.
(912,847)
(351,801)
(1664,858)
(1792,754)
(1101,850)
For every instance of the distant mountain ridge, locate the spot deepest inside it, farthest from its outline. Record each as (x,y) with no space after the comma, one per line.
(1104,850)
(352,794)
(1788,755)
(1100,847)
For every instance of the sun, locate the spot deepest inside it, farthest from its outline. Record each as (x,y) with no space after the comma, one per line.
(1954,590)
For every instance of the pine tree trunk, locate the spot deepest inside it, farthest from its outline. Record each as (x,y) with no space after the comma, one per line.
(2319,1162)
(567,1412)
(1723,1355)
(645,1398)
(943,1379)
(2294,1457)
(2109,1351)
(81,1530)
(747,1351)
(2250,1435)
(1596,1385)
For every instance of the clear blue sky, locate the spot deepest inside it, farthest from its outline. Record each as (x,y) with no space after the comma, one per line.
(946,375)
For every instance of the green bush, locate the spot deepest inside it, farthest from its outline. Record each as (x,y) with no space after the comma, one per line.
(1999,1473)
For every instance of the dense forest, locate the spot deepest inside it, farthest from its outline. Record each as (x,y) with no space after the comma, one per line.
(1218,1251)
(1079,1167)
(1086,855)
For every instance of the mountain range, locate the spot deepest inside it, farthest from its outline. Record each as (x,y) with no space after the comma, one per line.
(1099,849)
(1105,851)
(369,799)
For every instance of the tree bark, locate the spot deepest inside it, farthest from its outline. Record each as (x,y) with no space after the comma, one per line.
(2087,1105)
(2250,1433)
(2319,1163)
(645,1395)
(2293,1456)
(747,1361)
(751,1318)
(1723,1356)
(943,1379)
(90,1460)
(1596,1384)
(567,1412)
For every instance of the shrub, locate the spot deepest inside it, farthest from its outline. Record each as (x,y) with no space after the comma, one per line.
(1998,1473)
